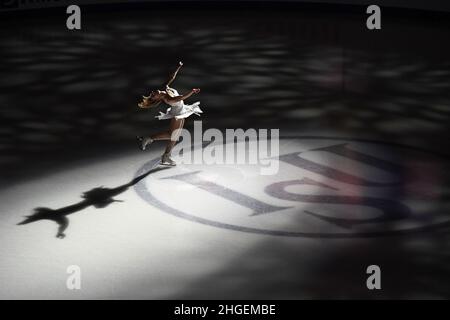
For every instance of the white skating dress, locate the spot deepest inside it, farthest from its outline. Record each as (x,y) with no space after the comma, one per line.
(179,110)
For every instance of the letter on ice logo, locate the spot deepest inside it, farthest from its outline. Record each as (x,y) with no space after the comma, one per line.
(74,280)
(74,20)
(240,147)
(374,280)
(374,20)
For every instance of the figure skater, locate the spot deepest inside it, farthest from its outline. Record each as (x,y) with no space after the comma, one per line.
(177,112)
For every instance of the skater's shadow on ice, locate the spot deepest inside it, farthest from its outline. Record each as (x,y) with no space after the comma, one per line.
(99,197)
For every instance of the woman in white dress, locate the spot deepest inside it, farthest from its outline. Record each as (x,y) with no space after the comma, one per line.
(177,112)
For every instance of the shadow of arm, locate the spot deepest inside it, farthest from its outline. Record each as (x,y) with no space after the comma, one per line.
(63,223)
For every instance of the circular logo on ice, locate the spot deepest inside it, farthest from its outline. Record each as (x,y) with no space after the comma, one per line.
(324,187)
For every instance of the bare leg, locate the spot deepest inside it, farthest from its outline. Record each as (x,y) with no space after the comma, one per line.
(144,141)
(175,128)
(175,131)
(165,135)
(172,135)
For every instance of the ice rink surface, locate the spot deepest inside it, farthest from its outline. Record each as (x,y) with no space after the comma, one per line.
(136,248)
(363,169)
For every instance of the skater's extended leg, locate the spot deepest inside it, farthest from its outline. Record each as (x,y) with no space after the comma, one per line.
(144,141)
(165,135)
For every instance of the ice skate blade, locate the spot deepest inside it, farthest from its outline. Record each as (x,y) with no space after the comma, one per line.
(139,141)
(167,164)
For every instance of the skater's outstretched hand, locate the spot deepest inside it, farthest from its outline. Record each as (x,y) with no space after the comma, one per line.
(196,90)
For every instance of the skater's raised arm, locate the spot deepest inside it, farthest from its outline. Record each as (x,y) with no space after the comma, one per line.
(173,75)
(168,99)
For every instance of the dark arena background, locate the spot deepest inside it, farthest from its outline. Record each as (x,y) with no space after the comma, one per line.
(363,168)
